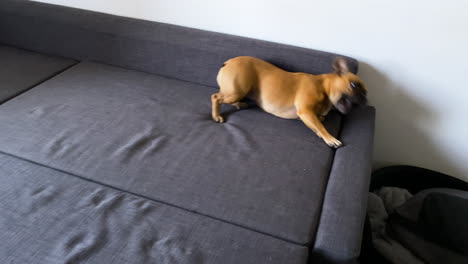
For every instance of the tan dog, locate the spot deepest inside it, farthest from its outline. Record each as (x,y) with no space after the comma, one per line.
(289,95)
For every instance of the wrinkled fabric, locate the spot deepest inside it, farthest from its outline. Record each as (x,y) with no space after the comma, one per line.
(50,217)
(397,232)
(380,203)
(444,217)
(408,226)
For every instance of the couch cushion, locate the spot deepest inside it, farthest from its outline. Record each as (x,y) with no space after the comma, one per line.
(47,216)
(21,70)
(154,136)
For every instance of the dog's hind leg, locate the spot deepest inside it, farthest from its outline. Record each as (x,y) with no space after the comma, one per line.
(219,98)
(216,101)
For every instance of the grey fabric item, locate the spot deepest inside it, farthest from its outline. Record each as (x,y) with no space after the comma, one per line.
(168,50)
(380,204)
(429,252)
(20,70)
(49,217)
(154,136)
(400,243)
(393,197)
(406,220)
(342,220)
(411,209)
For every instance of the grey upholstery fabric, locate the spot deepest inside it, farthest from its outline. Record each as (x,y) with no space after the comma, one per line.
(154,136)
(21,70)
(49,217)
(168,50)
(339,233)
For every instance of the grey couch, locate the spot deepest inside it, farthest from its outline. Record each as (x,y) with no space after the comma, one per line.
(108,153)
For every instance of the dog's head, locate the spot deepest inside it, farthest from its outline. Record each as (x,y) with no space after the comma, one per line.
(346,89)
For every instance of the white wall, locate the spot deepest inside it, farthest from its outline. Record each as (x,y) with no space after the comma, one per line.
(413,54)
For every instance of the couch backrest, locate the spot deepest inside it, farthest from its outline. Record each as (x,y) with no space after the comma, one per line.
(173,51)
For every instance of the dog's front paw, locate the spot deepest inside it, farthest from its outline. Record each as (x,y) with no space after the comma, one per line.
(218,119)
(333,142)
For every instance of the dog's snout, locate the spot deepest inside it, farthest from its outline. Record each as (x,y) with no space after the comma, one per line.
(361,98)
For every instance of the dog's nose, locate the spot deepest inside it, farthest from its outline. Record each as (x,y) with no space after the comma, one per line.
(359,93)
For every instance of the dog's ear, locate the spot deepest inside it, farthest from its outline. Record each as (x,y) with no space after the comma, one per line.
(340,66)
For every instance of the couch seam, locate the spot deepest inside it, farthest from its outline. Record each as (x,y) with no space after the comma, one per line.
(45,79)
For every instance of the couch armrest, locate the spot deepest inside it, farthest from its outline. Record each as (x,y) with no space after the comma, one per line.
(338,238)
